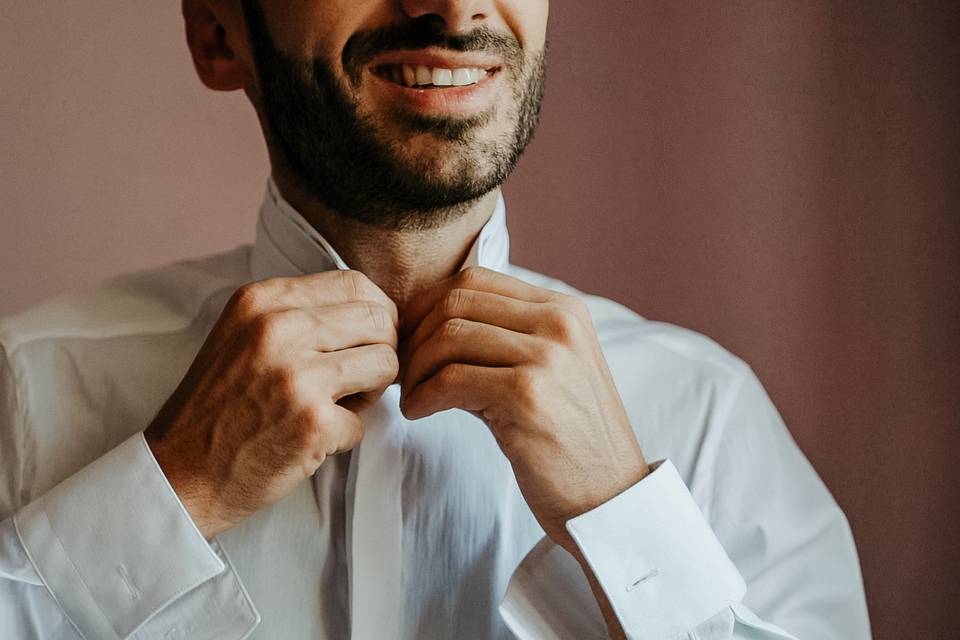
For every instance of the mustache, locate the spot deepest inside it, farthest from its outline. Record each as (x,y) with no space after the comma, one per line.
(421,33)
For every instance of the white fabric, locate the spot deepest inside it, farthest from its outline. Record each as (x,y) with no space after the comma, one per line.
(417,533)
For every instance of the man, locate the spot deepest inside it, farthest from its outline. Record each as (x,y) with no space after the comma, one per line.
(369,424)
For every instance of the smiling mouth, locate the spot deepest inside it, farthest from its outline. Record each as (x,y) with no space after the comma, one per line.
(425,77)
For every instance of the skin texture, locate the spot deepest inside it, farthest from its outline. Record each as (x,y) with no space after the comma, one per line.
(277,384)
(273,391)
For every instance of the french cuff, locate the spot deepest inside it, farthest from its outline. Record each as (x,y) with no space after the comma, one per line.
(114,545)
(659,563)
(656,557)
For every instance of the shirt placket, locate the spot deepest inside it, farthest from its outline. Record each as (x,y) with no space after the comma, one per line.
(376,527)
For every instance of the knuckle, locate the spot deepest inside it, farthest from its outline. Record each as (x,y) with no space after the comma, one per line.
(575,304)
(354,282)
(450,376)
(247,299)
(335,368)
(571,303)
(262,332)
(318,420)
(454,302)
(323,417)
(564,322)
(385,359)
(471,276)
(375,315)
(451,327)
(528,386)
(547,352)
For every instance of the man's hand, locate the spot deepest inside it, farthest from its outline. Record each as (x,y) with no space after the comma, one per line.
(527,361)
(273,391)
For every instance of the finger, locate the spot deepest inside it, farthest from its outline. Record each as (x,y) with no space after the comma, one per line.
(360,369)
(342,429)
(460,386)
(469,342)
(324,288)
(344,326)
(480,306)
(300,332)
(476,278)
(357,402)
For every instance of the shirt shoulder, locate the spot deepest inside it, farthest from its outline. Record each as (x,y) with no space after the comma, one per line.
(110,354)
(619,326)
(156,300)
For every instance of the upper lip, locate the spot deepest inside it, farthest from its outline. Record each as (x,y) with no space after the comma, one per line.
(435,57)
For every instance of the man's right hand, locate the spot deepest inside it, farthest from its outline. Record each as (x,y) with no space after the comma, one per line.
(273,391)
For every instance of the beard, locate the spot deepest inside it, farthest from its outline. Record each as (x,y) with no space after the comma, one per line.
(356,168)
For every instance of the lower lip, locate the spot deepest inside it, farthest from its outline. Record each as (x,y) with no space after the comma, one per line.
(466,100)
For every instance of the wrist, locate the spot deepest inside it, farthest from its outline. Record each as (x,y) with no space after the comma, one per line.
(614,485)
(190,489)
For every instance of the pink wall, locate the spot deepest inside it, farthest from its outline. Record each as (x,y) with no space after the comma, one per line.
(781,176)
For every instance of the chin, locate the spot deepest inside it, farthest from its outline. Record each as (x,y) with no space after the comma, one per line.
(451,167)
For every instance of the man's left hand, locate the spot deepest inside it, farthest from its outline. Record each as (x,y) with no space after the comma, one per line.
(527,361)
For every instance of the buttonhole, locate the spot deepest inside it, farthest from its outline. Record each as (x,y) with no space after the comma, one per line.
(653,573)
(134,592)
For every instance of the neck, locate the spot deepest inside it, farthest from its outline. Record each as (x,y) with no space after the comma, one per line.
(403,263)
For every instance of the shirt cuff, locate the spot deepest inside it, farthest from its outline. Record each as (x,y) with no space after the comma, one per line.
(656,557)
(660,565)
(114,544)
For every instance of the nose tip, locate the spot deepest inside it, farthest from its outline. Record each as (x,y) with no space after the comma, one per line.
(456,15)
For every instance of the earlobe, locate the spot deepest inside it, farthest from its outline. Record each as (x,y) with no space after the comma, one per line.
(216,62)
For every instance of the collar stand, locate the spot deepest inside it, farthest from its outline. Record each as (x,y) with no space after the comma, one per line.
(287,245)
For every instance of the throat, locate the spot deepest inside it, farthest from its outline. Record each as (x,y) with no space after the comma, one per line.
(405,261)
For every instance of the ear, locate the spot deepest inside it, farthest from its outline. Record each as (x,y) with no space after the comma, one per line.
(216,62)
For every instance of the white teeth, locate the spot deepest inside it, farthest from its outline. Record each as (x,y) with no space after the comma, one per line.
(461,77)
(442,77)
(409,75)
(424,76)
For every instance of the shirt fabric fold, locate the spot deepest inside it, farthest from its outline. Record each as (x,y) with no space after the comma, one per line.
(420,531)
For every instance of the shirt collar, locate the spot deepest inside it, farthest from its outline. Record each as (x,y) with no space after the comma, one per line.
(287,245)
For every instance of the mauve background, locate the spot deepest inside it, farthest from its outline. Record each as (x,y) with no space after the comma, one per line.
(782,176)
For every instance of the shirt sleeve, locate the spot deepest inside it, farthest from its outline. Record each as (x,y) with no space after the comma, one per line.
(661,567)
(773,559)
(103,553)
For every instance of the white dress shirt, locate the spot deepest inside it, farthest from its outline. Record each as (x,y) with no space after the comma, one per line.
(421,531)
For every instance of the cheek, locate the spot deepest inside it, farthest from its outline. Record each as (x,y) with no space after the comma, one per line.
(319,29)
(325,27)
(527,20)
